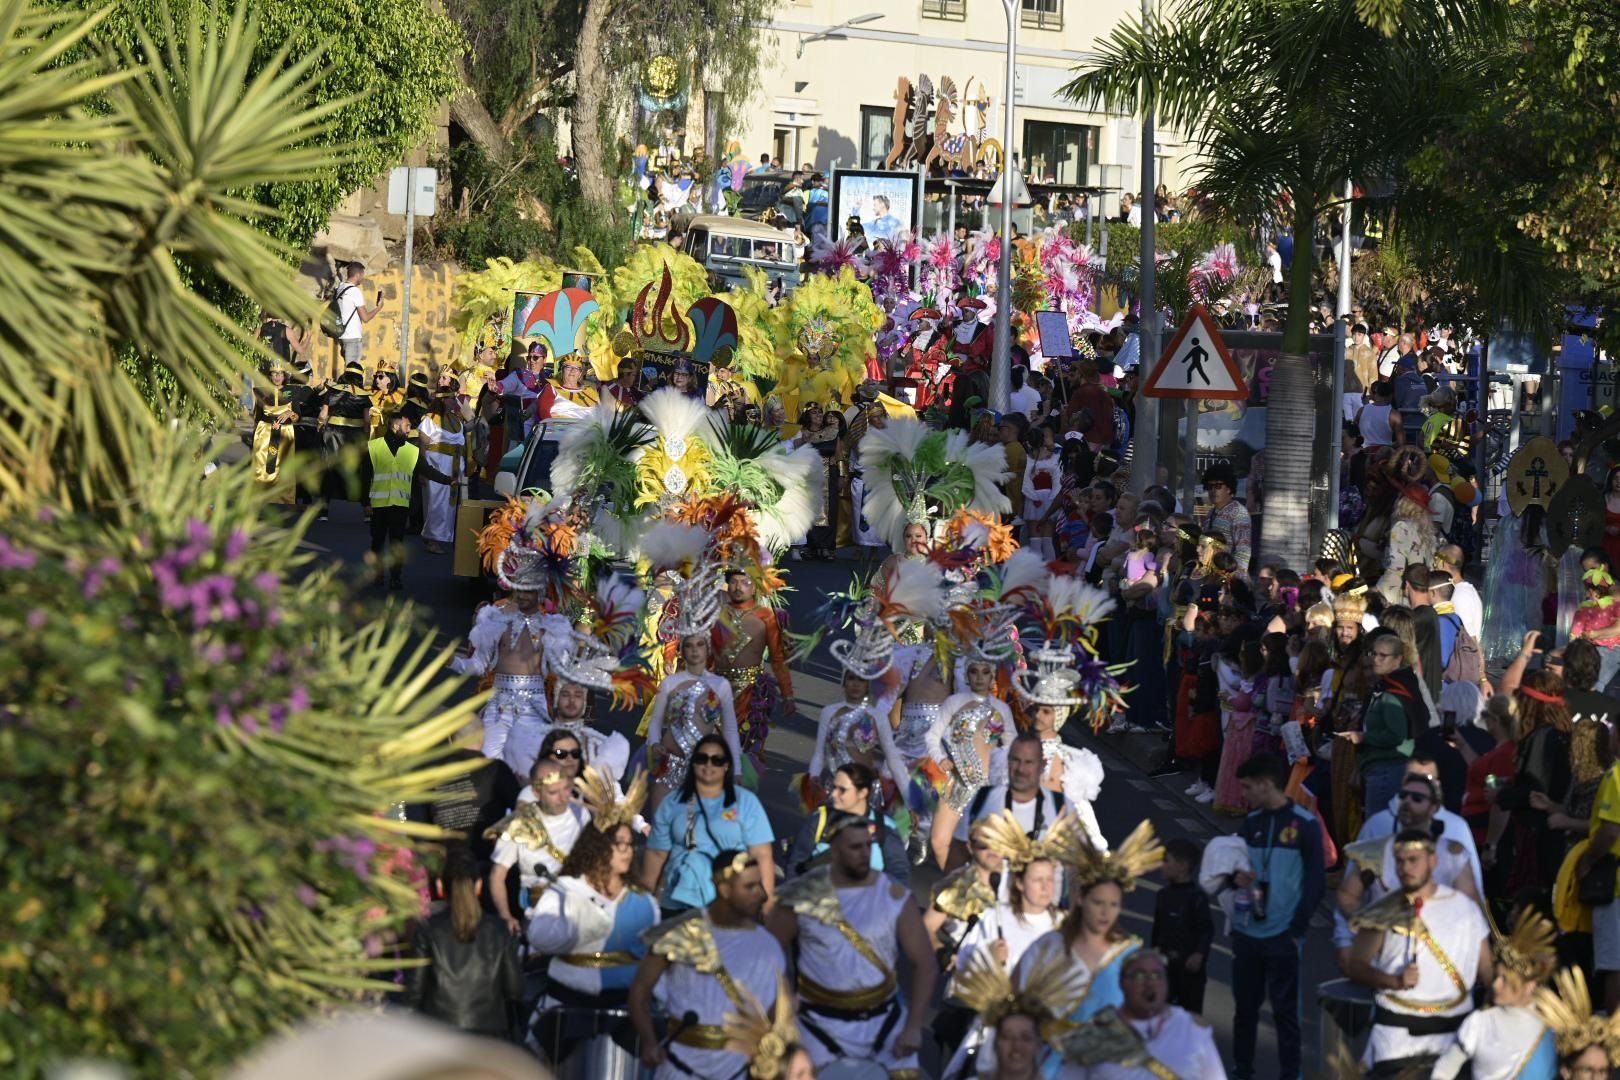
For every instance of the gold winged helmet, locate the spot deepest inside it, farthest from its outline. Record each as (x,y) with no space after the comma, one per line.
(1003,835)
(1566,1009)
(1051,991)
(1530,952)
(1141,853)
(608,811)
(766,1040)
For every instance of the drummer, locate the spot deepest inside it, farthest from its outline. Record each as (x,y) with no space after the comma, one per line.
(590,922)
(851,923)
(706,963)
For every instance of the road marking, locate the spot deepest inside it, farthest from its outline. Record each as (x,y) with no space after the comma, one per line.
(1192,826)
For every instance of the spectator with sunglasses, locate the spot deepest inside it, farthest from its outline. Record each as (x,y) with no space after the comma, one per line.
(710,814)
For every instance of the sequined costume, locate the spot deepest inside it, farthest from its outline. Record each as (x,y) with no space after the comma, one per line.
(518,699)
(966,723)
(760,696)
(687,708)
(860,732)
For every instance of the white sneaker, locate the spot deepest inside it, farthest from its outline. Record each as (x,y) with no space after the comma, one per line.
(1206,796)
(1198,788)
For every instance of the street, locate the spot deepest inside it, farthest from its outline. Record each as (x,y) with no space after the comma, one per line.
(444,604)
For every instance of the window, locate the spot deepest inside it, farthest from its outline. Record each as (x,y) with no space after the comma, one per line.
(944,9)
(1058,153)
(877,134)
(1042,14)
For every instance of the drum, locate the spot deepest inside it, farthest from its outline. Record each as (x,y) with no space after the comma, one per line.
(852,1069)
(595,1044)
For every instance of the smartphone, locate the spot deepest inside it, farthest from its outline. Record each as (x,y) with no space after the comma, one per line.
(1448,723)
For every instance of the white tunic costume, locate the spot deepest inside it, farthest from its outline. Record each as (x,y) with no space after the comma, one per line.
(836,977)
(751,960)
(594,941)
(537,843)
(1176,1039)
(1498,1044)
(1451,925)
(845,732)
(1019,932)
(679,709)
(443,449)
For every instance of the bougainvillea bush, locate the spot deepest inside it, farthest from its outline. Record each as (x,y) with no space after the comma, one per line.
(197,754)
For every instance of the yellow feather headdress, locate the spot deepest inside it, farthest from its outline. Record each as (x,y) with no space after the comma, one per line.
(1141,853)
(608,811)
(1531,950)
(1003,835)
(1050,992)
(764,1039)
(1566,1008)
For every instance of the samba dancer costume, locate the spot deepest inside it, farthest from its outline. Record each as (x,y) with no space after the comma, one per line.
(594,941)
(714,971)
(1141,853)
(1505,1042)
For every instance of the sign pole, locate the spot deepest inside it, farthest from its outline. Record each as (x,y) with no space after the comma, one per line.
(1189,464)
(405,292)
(1144,469)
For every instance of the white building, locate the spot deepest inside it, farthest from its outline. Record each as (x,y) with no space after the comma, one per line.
(830,101)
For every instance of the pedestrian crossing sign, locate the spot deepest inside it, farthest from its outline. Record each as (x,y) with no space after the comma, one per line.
(1197,364)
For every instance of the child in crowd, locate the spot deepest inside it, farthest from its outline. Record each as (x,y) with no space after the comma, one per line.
(1183,927)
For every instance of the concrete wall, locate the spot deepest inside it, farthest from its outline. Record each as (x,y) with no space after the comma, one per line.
(433,339)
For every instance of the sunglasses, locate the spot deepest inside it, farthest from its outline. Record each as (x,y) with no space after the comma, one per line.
(1414,796)
(710,759)
(563,755)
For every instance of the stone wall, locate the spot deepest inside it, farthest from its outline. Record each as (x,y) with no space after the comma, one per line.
(433,339)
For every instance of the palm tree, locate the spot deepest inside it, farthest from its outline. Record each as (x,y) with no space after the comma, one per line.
(198,749)
(1286,100)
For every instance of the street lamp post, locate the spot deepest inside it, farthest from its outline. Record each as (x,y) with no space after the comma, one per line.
(823,35)
(1145,463)
(1001,357)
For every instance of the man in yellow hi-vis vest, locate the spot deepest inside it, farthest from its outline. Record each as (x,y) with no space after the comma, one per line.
(389,472)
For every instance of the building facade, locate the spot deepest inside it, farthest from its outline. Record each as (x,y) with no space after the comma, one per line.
(828,89)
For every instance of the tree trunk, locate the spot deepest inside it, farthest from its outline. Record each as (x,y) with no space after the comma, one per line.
(468,111)
(590,98)
(1285,525)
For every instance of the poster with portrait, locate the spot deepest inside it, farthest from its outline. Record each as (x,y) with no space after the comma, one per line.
(885,203)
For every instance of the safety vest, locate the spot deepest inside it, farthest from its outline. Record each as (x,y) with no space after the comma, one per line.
(391,473)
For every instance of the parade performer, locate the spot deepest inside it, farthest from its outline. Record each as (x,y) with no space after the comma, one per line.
(828,333)
(1421,950)
(1024,1020)
(676,465)
(961,898)
(309,408)
(1588,1044)
(1090,938)
(1509,1039)
(1145,1037)
(1007,930)
(780,486)
(444,443)
(566,397)
(853,730)
(850,924)
(536,838)
(771,1042)
(347,410)
(705,964)
(691,702)
(274,417)
(915,475)
(386,396)
(590,922)
(747,629)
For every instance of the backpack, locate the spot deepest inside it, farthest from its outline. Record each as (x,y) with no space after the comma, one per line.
(1466,663)
(332,322)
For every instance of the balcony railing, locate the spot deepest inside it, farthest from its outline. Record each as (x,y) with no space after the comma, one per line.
(955,10)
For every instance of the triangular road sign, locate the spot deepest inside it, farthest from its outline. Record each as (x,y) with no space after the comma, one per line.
(1197,365)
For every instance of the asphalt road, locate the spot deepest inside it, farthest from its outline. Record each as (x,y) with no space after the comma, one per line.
(444,606)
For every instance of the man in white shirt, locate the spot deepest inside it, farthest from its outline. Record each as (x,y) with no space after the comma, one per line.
(1024,397)
(352,313)
(1374,418)
(1274,261)
(1464,597)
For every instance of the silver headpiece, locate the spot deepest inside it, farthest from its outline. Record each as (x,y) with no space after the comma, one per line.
(582,660)
(1052,681)
(870,652)
(697,601)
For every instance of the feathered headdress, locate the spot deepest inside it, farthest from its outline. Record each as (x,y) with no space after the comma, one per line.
(686,554)
(1531,950)
(1002,834)
(676,464)
(914,475)
(1067,675)
(765,1040)
(529,545)
(782,488)
(1566,1009)
(1051,991)
(608,811)
(596,467)
(1141,853)
(913,592)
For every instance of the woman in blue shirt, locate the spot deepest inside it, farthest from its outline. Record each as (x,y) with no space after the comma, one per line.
(709,815)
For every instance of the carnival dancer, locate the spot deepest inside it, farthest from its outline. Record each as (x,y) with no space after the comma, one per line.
(921,705)
(747,629)
(855,730)
(1076,772)
(1588,1044)
(1421,949)
(1090,938)
(444,441)
(590,922)
(1145,1037)
(1029,912)
(577,664)
(969,744)
(705,964)
(562,400)
(386,397)
(344,426)
(309,408)
(274,418)
(1509,1039)
(691,702)
(850,924)
(1023,1021)
(771,1042)
(961,898)
(535,838)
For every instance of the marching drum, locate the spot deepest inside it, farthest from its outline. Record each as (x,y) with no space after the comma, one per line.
(597,1044)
